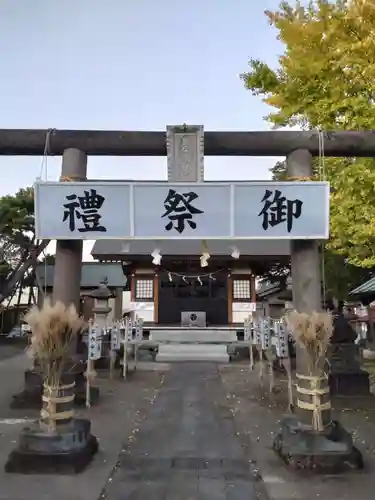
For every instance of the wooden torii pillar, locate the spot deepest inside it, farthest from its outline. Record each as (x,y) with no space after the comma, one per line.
(68,263)
(296,442)
(72,446)
(306,272)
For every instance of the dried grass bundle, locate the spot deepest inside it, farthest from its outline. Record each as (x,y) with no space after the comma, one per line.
(313,332)
(54,328)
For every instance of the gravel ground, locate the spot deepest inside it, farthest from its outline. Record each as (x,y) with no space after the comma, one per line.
(114,419)
(11,348)
(257,415)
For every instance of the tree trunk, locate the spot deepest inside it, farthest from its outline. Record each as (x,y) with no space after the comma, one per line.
(21,270)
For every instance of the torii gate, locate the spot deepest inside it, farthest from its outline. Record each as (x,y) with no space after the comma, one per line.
(298,147)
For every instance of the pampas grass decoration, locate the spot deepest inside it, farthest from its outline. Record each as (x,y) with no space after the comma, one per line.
(54,330)
(313,332)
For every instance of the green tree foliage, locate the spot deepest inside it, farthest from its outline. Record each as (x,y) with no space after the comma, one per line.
(17,237)
(340,275)
(16,228)
(325,79)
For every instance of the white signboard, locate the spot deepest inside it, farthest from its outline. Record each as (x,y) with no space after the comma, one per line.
(281,340)
(95,343)
(265,334)
(115,339)
(215,210)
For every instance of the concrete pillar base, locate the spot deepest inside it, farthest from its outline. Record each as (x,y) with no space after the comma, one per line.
(303,449)
(68,451)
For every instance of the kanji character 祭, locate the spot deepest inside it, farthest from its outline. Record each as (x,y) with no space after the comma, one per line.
(180,209)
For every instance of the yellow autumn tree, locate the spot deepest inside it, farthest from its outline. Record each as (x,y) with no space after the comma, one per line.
(325,79)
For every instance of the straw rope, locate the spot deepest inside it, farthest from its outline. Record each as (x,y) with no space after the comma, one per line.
(51,399)
(57,399)
(61,387)
(62,415)
(310,377)
(317,407)
(297,178)
(71,178)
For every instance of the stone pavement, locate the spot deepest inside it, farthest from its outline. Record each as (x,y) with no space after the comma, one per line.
(187,446)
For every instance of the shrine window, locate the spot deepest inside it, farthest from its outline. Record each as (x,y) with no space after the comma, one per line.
(241,290)
(144,289)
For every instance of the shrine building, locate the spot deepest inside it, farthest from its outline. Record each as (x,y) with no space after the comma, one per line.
(221,294)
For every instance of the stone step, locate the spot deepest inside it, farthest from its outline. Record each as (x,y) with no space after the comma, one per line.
(203,348)
(192,352)
(192,348)
(189,335)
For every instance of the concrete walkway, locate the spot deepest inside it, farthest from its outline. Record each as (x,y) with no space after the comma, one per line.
(187,447)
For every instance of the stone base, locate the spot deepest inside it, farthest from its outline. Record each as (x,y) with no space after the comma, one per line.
(31,396)
(329,452)
(215,353)
(69,451)
(366,402)
(349,383)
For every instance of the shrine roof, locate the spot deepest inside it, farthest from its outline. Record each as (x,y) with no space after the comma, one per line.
(367,288)
(126,247)
(93,273)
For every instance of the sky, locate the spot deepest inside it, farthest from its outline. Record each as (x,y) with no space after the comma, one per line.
(131,65)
